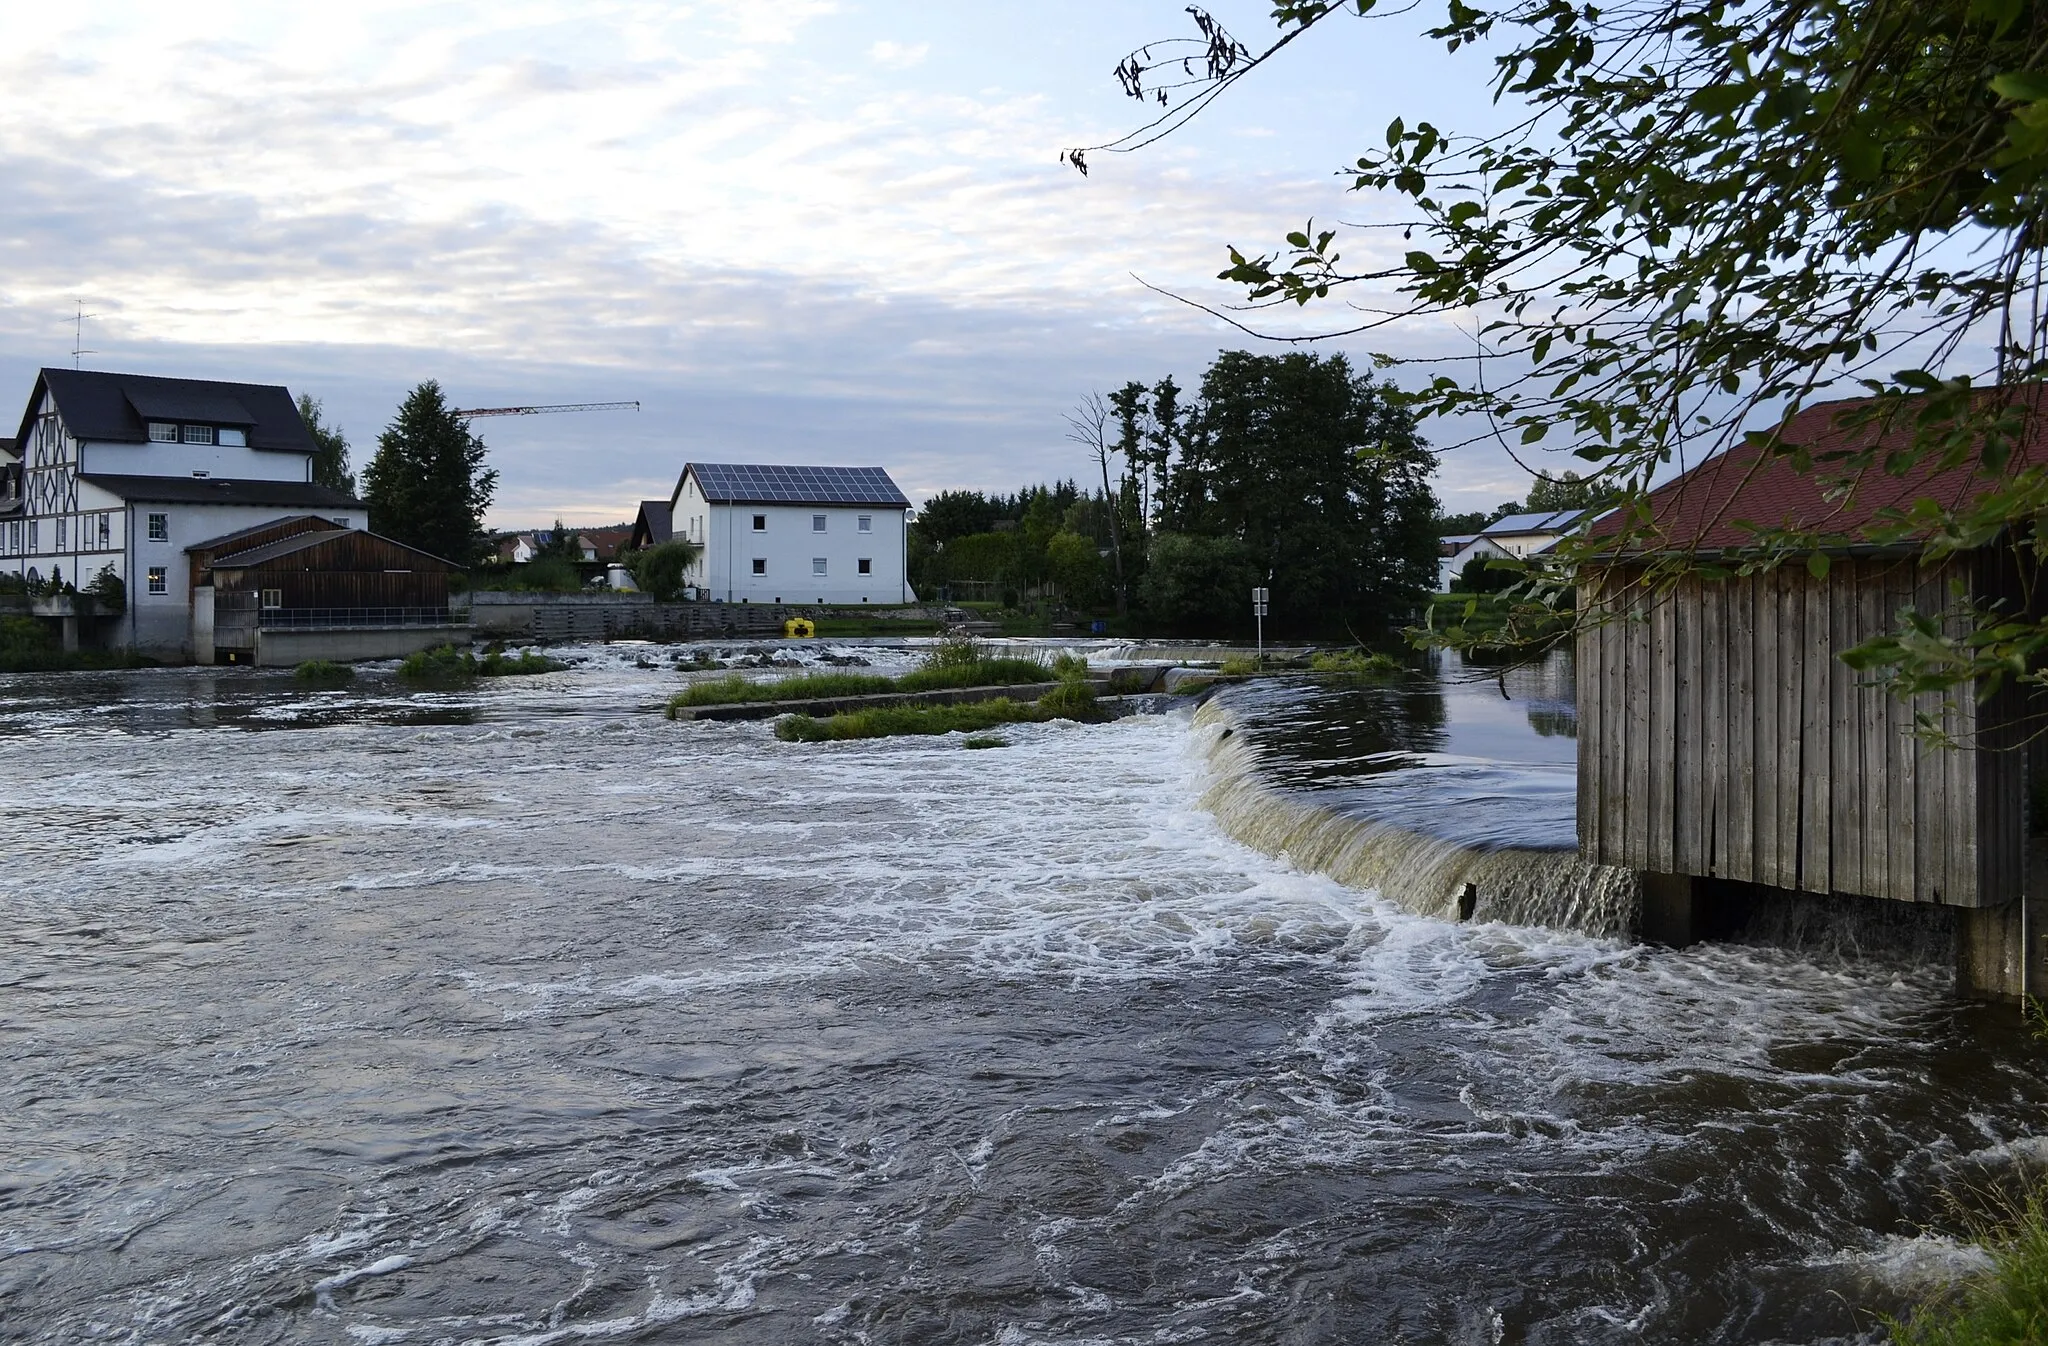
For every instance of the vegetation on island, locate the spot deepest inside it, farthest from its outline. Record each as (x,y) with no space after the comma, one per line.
(324,673)
(950,664)
(1072,699)
(447,664)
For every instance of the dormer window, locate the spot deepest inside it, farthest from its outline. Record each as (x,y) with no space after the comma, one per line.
(233,439)
(199,434)
(163,432)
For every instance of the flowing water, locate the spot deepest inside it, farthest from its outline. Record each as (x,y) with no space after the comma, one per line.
(521,1014)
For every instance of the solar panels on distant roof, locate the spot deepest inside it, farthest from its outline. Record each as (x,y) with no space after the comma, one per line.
(766,483)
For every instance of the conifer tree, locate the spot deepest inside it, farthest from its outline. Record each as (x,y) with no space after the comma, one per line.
(427,486)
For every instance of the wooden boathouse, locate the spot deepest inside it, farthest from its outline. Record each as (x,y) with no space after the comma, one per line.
(1729,755)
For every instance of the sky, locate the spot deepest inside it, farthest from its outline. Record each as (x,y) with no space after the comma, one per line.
(796,231)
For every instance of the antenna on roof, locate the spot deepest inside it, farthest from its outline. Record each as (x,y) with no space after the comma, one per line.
(78,334)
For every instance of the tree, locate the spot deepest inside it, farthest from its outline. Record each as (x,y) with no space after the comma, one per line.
(952,514)
(1706,217)
(1198,585)
(330,453)
(1318,473)
(1075,566)
(659,569)
(1088,426)
(1568,491)
(427,486)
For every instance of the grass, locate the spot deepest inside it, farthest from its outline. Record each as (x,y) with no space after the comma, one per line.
(324,673)
(1238,666)
(2004,1307)
(445,663)
(939,673)
(1069,701)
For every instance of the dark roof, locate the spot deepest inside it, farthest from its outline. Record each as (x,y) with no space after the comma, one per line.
(304,523)
(766,484)
(1721,504)
(314,540)
(8,450)
(220,491)
(655,523)
(119,407)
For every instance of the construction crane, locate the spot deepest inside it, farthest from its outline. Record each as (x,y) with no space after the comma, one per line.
(543,411)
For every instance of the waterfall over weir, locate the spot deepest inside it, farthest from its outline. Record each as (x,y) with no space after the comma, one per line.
(1430,876)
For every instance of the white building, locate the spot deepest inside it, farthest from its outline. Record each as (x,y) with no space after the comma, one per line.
(1521,535)
(793,534)
(123,472)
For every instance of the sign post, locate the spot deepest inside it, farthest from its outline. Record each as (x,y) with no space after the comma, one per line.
(1259,611)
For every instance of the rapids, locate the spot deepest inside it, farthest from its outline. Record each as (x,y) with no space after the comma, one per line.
(520,1014)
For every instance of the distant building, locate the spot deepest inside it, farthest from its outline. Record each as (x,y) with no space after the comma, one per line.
(651,527)
(792,534)
(1522,535)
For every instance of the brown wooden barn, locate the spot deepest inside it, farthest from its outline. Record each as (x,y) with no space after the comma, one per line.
(1728,754)
(310,589)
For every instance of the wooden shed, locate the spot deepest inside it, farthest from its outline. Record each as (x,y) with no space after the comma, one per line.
(307,575)
(1724,743)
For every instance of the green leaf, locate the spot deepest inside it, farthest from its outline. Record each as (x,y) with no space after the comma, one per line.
(1817,565)
(1422,264)
(2022,86)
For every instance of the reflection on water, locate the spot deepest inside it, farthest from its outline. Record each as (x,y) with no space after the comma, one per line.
(1485,759)
(566,1023)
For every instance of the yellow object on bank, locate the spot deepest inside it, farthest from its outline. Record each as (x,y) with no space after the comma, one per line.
(798,628)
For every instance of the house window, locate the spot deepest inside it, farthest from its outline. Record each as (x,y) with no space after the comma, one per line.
(34,541)
(163,432)
(817,523)
(63,533)
(866,564)
(760,565)
(106,530)
(760,523)
(867,523)
(234,439)
(156,580)
(159,528)
(817,565)
(339,523)
(199,434)
(273,598)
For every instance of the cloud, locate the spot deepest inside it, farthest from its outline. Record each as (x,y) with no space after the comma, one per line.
(898,55)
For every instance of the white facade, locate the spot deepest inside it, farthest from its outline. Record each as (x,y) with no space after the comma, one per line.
(793,553)
(69,526)
(1449,568)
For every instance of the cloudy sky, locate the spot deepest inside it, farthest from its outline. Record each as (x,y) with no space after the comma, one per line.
(794,230)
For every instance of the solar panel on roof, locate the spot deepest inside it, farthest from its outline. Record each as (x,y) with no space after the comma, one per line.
(770,483)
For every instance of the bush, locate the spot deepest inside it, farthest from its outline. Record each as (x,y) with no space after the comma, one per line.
(1238,666)
(1488,575)
(108,593)
(546,574)
(953,652)
(498,664)
(324,673)
(659,570)
(1073,700)
(443,663)
(1070,668)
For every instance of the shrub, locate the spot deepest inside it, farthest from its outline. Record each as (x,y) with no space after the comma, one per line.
(1238,666)
(498,664)
(659,570)
(108,593)
(1488,575)
(1071,700)
(954,651)
(324,673)
(545,574)
(1070,668)
(443,663)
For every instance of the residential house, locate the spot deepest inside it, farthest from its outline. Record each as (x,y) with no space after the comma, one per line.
(773,534)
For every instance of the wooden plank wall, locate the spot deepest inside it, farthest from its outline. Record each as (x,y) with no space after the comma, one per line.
(1719,736)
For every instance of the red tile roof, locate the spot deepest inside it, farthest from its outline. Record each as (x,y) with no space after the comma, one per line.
(1724,502)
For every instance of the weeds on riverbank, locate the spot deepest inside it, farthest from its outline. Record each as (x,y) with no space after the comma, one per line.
(324,673)
(1069,701)
(2003,1307)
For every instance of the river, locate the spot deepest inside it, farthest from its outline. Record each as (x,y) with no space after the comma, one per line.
(520,1014)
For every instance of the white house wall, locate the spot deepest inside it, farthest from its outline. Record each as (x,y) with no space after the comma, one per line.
(789,545)
(161,624)
(191,460)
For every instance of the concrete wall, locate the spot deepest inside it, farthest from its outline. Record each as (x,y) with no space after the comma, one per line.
(286,649)
(608,616)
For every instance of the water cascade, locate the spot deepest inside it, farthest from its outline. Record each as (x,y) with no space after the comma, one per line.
(1429,876)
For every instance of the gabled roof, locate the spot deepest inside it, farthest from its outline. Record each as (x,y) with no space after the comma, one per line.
(769,484)
(655,524)
(318,539)
(117,408)
(1554,521)
(1720,504)
(220,491)
(269,528)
